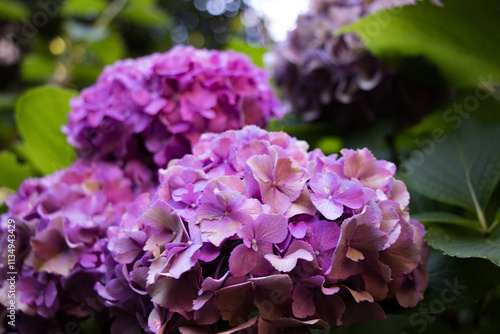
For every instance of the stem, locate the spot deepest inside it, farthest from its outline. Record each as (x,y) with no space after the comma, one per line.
(110,13)
(217,271)
(493,226)
(479,211)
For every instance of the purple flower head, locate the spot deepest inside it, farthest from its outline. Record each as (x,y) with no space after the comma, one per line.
(254,230)
(61,223)
(153,109)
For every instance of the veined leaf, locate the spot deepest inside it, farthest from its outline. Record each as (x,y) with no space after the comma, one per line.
(463,242)
(462,38)
(462,170)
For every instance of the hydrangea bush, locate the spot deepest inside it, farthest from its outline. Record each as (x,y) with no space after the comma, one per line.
(253,233)
(331,77)
(61,222)
(152,109)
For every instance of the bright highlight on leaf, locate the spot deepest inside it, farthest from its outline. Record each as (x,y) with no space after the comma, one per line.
(461,38)
(40,113)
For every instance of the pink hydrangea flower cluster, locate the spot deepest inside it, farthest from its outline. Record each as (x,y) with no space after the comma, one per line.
(154,108)
(252,232)
(60,223)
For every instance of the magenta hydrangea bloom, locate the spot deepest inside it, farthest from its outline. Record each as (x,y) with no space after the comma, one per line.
(154,108)
(61,222)
(255,233)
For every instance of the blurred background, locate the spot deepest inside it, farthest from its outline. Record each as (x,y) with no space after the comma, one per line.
(68,42)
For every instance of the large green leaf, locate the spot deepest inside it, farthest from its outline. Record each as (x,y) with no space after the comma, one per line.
(462,170)
(462,38)
(464,242)
(40,113)
(459,282)
(145,13)
(12,173)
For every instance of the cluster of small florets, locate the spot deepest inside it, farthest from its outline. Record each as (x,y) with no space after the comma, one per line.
(253,232)
(153,109)
(330,77)
(61,222)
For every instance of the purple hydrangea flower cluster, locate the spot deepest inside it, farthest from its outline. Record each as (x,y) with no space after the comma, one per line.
(153,109)
(252,232)
(61,222)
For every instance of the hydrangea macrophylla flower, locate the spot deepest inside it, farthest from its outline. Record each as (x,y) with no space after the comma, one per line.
(323,236)
(281,180)
(61,225)
(153,109)
(224,210)
(258,237)
(330,77)
(331,194)
(321,252)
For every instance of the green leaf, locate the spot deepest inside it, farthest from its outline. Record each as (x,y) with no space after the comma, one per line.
(459,282)
(83,8)
(14,10)
(462,38)
(36,68)
(427,218)
(145,13)
(13,173)
(40,113)
(464,242)
(256,53)
(442,170)
(110,49)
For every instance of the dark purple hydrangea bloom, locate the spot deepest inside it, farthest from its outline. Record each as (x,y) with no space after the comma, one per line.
(61,222)
(253,232)
(329,77)
(153,109)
